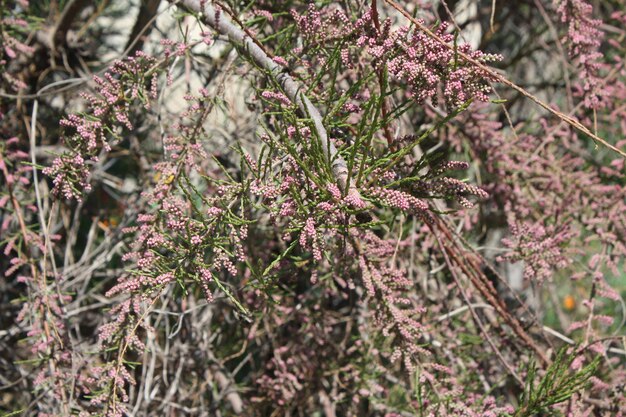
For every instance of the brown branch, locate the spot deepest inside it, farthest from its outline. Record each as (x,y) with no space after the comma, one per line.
(70,12)
(57,35)
(468,263)
(143,25)
(375,18)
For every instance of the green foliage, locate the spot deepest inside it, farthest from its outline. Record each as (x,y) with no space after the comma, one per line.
(558,384)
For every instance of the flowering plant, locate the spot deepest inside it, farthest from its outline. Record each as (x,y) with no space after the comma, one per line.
(348,208)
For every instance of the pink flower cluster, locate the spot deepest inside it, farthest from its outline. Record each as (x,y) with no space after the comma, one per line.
(280,97)
(450,188)
(86,134)
(309,239)
(425,64)
(399,199)
(396,314)
(539,246)
(11,47)
(584,38)
(411,57)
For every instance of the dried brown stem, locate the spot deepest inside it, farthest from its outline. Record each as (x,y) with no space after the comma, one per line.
(468,263)
(448,256)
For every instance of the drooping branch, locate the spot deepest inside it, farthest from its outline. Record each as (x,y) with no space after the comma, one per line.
(217,20)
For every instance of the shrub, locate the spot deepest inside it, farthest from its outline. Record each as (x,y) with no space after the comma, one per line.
(338,208)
